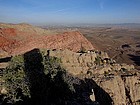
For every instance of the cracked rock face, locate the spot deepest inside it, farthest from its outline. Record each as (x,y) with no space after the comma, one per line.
(120,81)
(132,86)
(124,91)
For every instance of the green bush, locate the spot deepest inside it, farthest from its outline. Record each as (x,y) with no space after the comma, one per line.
(37,75)
(51,65)
(15,79)
(97,60)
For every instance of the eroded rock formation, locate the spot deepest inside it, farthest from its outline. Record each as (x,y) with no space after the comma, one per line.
(120,81)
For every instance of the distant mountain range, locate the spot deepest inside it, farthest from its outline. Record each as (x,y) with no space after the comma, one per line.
(124,25)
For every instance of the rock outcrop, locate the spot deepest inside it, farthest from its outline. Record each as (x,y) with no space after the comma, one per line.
(103,81)
(120,81)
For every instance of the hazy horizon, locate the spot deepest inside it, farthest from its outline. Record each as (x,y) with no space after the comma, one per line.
(70,11)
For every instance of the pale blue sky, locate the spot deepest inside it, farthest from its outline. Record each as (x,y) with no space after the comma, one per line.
(70,11)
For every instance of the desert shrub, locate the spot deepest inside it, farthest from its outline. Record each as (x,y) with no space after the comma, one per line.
(59,86)
(97,60)
(52,67)
(38,77)
(15,80)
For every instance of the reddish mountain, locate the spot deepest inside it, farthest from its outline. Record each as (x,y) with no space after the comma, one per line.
(6,39)
(17,39)
(68,40)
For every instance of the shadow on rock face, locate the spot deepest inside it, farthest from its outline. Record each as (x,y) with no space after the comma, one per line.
(35,73)
(84,91)
(45,90)
(135,58)
(5,59)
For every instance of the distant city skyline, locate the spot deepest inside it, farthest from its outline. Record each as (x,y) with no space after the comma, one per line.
(70,11)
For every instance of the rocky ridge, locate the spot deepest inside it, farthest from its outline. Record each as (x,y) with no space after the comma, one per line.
(20,38)
(120,81)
